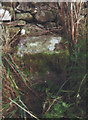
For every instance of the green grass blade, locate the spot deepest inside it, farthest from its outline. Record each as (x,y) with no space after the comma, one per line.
(23,109)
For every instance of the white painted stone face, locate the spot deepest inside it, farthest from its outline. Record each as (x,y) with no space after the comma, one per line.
(1,13)
(35,11)
(53,41)
(5,15)
(40,44)
(34,44)
(23,32)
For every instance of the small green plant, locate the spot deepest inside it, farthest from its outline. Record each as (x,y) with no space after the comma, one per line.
(59,109)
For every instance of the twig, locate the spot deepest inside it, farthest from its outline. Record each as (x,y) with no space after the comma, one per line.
(52,103)
(11,40)
(72,25)
(12,24)
(81,83)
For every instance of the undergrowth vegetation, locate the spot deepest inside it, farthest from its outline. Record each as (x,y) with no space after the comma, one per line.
(21,99)
(14,87)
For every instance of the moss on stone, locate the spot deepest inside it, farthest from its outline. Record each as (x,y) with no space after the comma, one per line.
(24,16)
(12,31)
(44,62)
